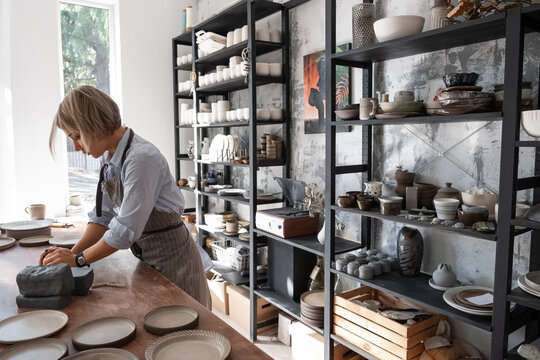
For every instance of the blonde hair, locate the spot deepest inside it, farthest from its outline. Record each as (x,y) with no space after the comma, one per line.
(89,112)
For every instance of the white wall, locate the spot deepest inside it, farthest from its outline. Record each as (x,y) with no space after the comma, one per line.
(31,89)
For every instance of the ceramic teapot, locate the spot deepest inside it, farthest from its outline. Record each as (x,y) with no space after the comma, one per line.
(444,276)
(374,188)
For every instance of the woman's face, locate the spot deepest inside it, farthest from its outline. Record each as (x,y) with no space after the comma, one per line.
(88,147)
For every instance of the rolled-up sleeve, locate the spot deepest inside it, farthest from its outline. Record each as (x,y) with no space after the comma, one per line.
(107,212)
(142,184)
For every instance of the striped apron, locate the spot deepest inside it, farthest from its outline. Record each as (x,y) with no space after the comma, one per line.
(165,243)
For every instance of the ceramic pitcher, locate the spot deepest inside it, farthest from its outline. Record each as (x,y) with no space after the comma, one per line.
(374,188)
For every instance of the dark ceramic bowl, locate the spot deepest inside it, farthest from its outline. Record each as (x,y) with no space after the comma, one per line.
(349,112)
(470,218)
(365,203)
(354,194)
(460,79)
(345,202)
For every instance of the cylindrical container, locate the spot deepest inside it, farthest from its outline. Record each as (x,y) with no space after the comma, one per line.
(245,33)
(237,35)
(341,264)
(230,38)
(183,21)
(362,24)
(189,18)
(410,251)
(438,15)
(386,265)
(365,272)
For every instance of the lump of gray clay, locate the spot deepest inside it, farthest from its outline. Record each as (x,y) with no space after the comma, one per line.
(43,302)
(84,277)
(45,280)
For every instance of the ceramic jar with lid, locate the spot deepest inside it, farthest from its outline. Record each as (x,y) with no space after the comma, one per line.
(448,192)
(444,275)
(404,179)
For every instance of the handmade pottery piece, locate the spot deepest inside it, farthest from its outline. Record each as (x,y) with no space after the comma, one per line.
(386,265)
(368,108)
(355,194)
(426,193)
(341,265)
(403,95)
(374,188)
(438,15)
(349,112)
(391,205)
(372,305)
(345,202)
(372,252)
(362,25)
(377,267)
(410,251)
(104,332)
(404,179)
(402,107)
(521,209)
(7,242)
(449,192)
(104,353)
(484,227)
(394,27)
(36,349)
(365,272)
(364,203)
(444,275)
(459,79)
(469,218)
(166,319)
(190,150)
(352,266)
(446,208)
(481,197)
(31,325)
(200,344)
(431,106)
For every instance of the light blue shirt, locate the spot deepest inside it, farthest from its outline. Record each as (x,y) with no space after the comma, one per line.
(148,184)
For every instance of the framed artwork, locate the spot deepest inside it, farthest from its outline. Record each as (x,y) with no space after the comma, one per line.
(315,90)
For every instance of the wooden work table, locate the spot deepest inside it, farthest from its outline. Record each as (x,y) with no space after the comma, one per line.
(145,289)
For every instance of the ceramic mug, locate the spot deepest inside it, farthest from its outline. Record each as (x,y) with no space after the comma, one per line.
(244,33)
(246,113)
(262,34)
(263,69)
(234,60)
(239,114)
(238,35)
(231,227)
(226,74)
(275,69)
(374,188)
(368,108)
(230,38)
(36,211)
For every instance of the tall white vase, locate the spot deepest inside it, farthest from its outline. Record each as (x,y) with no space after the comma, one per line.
(321,235)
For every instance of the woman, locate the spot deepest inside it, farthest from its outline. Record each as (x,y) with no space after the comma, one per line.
(138,204)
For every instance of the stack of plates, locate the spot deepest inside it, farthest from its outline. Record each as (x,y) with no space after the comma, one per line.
(22,229)
(530,283)
(465,298)
(312,308)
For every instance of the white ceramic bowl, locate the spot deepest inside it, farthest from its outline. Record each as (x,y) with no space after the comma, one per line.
(487,200)
(239,114)
(263,114)
(530,121)
(446,208)
(276,114)
(213,220)
(246,113)
(394,27)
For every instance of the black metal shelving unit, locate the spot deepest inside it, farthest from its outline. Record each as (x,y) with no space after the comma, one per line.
(511,26)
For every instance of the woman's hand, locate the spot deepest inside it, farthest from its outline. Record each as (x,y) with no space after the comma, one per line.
(57,255)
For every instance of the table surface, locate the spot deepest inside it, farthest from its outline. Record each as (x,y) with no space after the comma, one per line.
(145,289)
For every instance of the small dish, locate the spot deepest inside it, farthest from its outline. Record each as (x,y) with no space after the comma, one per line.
(104,332)
(166,319)
(7,242)
(442,288)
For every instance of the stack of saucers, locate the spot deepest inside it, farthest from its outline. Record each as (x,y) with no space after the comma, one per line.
(530,283)
(23,229)
(475,300)
(312,308)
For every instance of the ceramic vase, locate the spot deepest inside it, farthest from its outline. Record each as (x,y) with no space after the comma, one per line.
(404,179)
(362,24)
(410,250)
(438,15)
(189,150)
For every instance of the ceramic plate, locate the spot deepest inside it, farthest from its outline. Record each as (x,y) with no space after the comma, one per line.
(532,280)
(231,192)
(66,240)
(312,299)
(449,295)
(523,285)
(103,353)
(167,319)
(104,332)
(31,325)
(36,349)
(7,242)
(390,116)
(463,297)
(199,344)
(27,225)
(35,240)
(441,288)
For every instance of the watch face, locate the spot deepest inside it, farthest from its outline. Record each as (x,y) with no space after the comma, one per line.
(80,260)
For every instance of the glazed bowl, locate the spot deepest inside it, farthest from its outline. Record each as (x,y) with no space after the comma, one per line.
(345,202)
(349,112)
(364,203)
(460,79)
(394,27)
(446,208)
(488,200)
(530,121)
(390,205)
(401,106)
(355,194)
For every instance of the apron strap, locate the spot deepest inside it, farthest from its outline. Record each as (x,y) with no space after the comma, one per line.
(99,191)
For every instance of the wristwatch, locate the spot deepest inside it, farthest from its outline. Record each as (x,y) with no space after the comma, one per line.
(80,261)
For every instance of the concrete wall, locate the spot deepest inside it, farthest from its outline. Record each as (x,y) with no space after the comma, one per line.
(31,89)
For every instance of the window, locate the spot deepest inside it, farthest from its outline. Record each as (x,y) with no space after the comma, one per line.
(86,60)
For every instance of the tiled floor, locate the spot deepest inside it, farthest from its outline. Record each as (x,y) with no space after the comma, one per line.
(266,341)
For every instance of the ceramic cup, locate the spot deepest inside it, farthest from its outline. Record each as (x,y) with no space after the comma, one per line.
(377,267)
(234,60)
(75,200)
(263,114)
(374,188)
(275,69)
(239,114)
(368,108)
(219,75)
(191,182)
(238,35)
(233,115)
(222,116)
(365,272)
(404,96)
(228,115)
(230,38)
(238,70)
(244,33)
(276,114)
(231,227)
(246,113)
(223,105)
(262,34)
(341,264)
(213,78)
(275,36)
(36,211)
(226,74)
(263,69)
(189,57)
(352,267)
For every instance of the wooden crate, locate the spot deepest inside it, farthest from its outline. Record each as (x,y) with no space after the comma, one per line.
(385,338)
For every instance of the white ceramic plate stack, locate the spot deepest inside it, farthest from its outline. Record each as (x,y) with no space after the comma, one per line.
(223,148)
(27,228)
(199,344)
(462,298)
(210,42)
(530,283)
(312,308)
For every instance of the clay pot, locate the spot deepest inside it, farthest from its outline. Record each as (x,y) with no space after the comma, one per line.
(410,250)
(182,182)
(469,218)
(444,276)
(354,194)
(426,193)
(345,202)
(365,203)
(391,205)
(449,192)
(404,179)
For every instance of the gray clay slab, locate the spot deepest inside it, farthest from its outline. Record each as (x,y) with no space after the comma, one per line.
(45,280)
(43,302)
(84,277)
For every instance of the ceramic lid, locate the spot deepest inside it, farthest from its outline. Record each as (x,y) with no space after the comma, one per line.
(449,190)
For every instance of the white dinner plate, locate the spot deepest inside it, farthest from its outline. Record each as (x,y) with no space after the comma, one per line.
(27,225)
(37,240)
(449,294)
(31,325)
